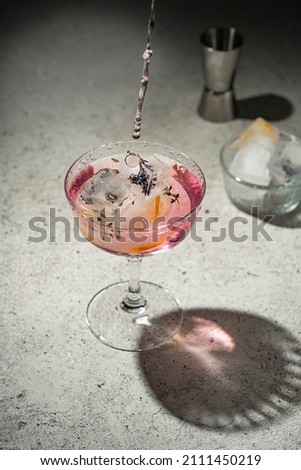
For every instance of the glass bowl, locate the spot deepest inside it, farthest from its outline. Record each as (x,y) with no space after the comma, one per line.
(275,199)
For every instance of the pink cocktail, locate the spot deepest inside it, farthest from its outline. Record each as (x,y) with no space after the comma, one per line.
(134,199)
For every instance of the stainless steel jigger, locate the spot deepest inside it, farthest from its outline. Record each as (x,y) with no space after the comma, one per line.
(220,53)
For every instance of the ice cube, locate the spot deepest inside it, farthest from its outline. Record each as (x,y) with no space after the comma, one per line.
(292,161)
(107,189)
(293,172)
(285,164)
(259,131)
(255,148)
(250,164)
(292,151)
(147,173)
(277,173)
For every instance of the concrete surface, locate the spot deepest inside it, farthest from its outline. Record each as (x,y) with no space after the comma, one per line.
(69,81)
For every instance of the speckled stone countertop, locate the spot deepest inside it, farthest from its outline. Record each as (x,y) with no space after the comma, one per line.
(69,81)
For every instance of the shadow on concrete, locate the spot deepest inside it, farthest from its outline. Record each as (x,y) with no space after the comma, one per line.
(269,106)
(291,220)
(226,370)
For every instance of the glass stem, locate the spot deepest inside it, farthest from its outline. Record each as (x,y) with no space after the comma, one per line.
(134,301)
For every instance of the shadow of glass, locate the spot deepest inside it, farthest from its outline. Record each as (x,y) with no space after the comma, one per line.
(291,220)
(226,370)
(269,106)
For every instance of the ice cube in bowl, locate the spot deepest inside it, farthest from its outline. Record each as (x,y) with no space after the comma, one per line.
(263,173)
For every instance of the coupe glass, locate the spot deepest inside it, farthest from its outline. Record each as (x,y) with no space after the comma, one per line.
(134,199)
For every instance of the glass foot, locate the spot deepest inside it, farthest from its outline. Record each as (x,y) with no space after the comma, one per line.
(136,330)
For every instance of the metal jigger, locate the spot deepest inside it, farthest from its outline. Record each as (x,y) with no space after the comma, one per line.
(220,53)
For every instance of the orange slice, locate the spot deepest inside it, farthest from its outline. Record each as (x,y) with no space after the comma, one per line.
(87,212)
(147,247)
(86,234)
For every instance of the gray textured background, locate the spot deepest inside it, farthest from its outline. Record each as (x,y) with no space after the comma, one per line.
(69,75)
